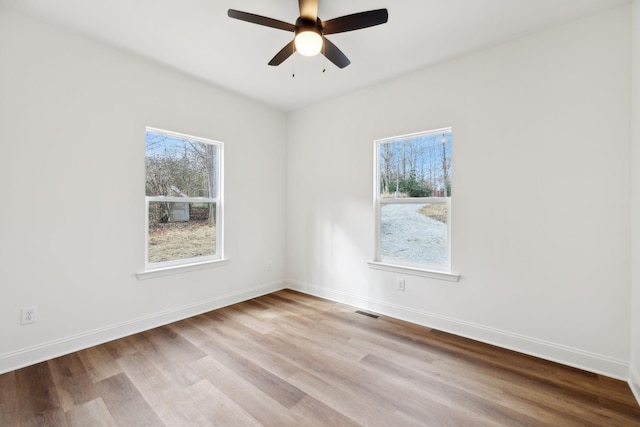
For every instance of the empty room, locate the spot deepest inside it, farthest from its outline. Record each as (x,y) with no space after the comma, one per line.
(322,213)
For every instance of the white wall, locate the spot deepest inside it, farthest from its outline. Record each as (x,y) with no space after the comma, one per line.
(541,184)
(72,122)
(634,380)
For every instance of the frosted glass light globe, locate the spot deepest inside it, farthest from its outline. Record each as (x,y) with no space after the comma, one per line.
(308,43)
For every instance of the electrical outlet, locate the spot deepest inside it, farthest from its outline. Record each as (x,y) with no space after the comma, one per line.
(29,314)
(269,267)
(400,284)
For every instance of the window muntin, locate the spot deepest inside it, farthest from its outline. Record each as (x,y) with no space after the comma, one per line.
(183,199)
(413,200)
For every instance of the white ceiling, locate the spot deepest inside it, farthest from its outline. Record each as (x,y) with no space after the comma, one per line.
(197,37)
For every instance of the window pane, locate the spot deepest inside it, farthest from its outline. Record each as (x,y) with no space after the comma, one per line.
(418,166)
(180,167)
(181,230)
(414,233)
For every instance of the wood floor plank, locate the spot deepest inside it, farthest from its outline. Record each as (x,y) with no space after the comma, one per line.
(125,403)
(523,377)
(253,343)
(144,375)
(121,347)
(38,397)
(72,381)
(9,413)
(469,378)
(165,346)
(93,413)
(524,369)
(315,413)
(174,404)
(8,388)
(207,406)
(353,405)
(258,404)
(377,408)
(276,387)
(290,359)
(250,318)
(325,337)
(171,357)
(9,399)
(385,395)
(188,328)
(99,362)
(453,396)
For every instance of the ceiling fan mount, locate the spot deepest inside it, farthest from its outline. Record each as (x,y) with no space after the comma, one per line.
(310,31)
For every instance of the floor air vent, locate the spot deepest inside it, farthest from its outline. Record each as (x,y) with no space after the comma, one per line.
(364,313)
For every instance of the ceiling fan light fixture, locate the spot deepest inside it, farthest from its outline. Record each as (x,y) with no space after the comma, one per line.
(308,41)
(309,30)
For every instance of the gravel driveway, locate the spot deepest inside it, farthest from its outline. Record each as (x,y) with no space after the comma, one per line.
(409,235)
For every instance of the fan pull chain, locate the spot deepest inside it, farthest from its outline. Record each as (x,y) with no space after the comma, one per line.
(293,62)
(324,57)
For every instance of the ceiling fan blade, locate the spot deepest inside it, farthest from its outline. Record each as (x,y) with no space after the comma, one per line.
(334,54)
(355,21)
(284,53)
(308,9)
(260,20)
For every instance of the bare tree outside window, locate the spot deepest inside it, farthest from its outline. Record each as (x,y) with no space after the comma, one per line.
(182,196)
(414,197)
(418,166)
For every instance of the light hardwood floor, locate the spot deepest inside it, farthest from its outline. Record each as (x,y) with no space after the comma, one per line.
(289,359)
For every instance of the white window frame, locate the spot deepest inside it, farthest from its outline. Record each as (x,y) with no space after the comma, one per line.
(153,268)
(401,266)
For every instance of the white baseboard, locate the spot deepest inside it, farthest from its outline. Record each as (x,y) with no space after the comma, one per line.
(565,355)
(558,353)
(49,350)
(634,381)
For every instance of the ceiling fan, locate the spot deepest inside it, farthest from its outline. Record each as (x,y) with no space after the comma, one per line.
(310,31)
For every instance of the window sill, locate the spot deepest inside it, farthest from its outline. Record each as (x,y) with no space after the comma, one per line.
(415,271)
(165,271)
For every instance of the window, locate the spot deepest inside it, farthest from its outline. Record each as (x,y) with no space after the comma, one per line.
(183,199)
(413,200)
